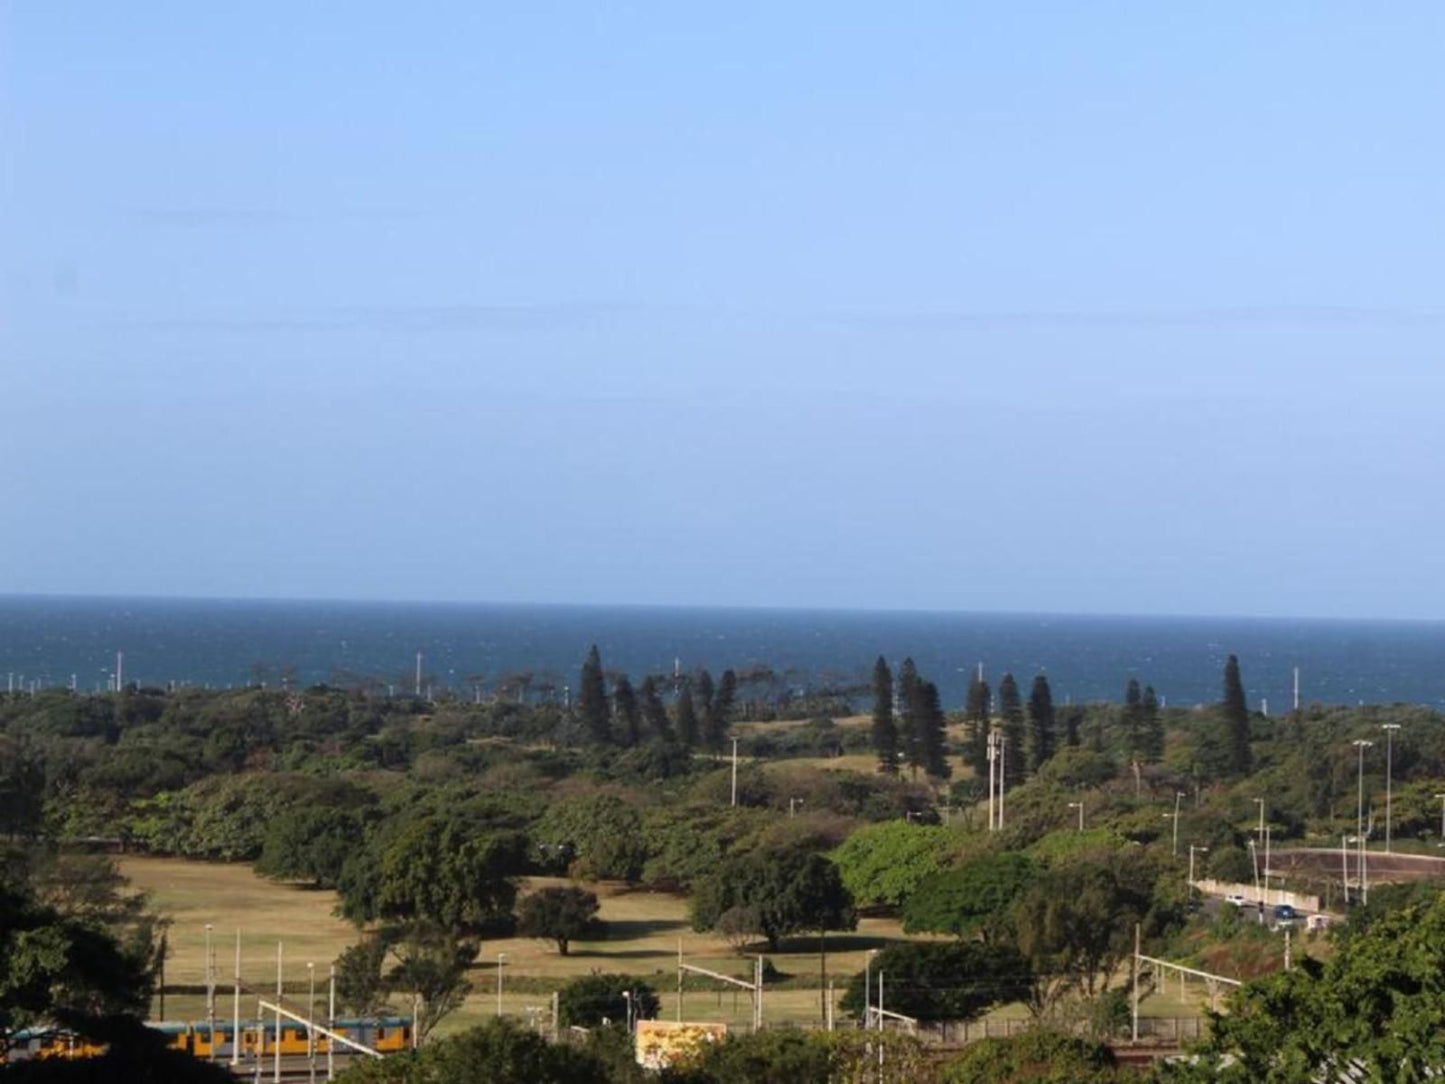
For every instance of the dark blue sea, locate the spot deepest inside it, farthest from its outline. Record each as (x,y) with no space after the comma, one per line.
(218,643)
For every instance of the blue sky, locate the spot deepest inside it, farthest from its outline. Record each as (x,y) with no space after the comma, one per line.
(1066,307)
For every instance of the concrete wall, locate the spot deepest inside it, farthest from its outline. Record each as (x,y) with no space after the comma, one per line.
(1273,897)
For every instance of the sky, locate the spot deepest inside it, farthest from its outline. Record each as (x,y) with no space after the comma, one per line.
(1095,308)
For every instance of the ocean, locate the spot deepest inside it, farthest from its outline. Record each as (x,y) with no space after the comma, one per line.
(219,642)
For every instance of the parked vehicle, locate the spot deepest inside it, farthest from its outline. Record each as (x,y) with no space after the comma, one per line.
(1285,915)
(1236,899)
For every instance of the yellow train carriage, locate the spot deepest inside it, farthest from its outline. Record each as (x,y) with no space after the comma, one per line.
(386,1034)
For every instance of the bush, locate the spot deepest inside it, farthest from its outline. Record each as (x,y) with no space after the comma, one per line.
(1046,1057)
(592,999)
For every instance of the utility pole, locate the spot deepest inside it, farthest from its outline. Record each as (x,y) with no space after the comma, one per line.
(501,959)
(1296,688)
(1192,849)
(418,674)
(1135,1029)
(735,771)
(1389,729)
(1178,796)
(1080,807)
(236,1007)
(993,783)
(1002,777)
(119,669)
(1361,745)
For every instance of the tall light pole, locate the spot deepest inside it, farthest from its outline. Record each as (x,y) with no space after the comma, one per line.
(868,988)
(1192,849)
(992,781)
(735,771)
(1080,807)
(501,959)
(311,1018)
(1254,854)
(1389,729)
(210,991)
(1178,796)
(1260,802)
(1360,745)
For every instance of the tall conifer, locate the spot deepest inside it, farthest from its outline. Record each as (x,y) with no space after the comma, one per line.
(931,733)
(1131,720)
(1234,713)
(592,698)
(1153,726)
(629,712)
(976,714)
(654,711)
(908,721)
(1011,713)
(719,713)
(885,730)
(1041,723)
(686,715)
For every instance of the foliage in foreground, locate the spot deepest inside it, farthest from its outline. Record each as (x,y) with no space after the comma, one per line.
(1046,1057)
(1379,1003)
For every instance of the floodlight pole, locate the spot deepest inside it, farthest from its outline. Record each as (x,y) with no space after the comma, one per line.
(1389,729)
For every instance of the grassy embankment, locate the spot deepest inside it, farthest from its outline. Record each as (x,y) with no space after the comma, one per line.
(644,927)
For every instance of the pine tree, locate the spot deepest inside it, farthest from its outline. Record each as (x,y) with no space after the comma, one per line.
(1072,718)
(654,711)
(975,750)
(719,712)
(592,698)
(908,722)
(1234,713)
(702,694)
(629,712)
(1131,720)
(686,716)
(885,730)
(1011,712)
(931,734)
(1152,726)
(1041,723)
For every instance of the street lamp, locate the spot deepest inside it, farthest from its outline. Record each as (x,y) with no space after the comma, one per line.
(1080,807)
(1192,849)
(1360,745)
(1254,855)
(792,804)
(1389,729)
(1178,797)
(311,1019)
(868,989)
(501,959)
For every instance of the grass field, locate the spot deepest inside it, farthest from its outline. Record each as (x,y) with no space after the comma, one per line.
(644,931)
(644,927)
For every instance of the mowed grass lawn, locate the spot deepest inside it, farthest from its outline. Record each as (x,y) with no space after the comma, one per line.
(644,929)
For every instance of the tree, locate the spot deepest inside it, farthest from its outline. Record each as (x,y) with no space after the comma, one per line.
(629,711)
(592,836)
(928,718)
(1035,1057)
(589,1000)
(360,985)
(973,899)
(686,716)
(559,914)
(309,843)
(1373,1011)
(1076,923)
(949,981)
(1131,720)
(1010,709)
(882,864)
(1234,713)
(431,965)
(976,712)
(1041,723)
(885,730)
(1153,726)
(592,698)
(654,711)
(435,869)
(720,707)
(498,1052)
(789,892)
(908,722)
(1073,719)
(703,690)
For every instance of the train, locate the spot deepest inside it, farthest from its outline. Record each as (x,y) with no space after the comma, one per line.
(384,1034)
